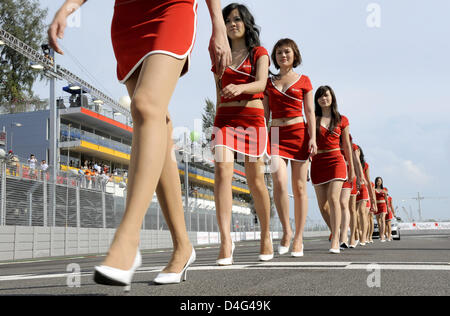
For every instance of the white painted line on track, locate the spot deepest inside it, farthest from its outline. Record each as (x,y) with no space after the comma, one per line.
(406,266)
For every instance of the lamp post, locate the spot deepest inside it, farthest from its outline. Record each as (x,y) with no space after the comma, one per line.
(14,124)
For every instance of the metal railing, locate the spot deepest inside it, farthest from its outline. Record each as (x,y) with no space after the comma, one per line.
(25,200)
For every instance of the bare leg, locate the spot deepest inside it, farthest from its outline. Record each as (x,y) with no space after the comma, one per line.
(154,88)
(363,225)
(281,198)
(353,220)
(169,197)
(334,194)
(257,185)
(299,175)
(345,222)
(381,224)
(388,229)
(322,201)
(370,230)
(223,197)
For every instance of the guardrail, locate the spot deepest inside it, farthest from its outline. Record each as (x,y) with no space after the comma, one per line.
(425,226)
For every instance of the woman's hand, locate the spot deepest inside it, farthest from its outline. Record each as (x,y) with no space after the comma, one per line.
(219,50)
(352,175)
(312,147)
(231,91)
(56,29)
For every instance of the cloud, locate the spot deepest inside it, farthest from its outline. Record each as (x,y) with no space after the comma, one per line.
(415,173)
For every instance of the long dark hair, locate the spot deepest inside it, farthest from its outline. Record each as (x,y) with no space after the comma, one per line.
(362,157)
(376,180)
(251,29)
(335,116)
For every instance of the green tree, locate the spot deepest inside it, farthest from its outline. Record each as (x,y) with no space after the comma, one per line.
(24,19)
(208,118)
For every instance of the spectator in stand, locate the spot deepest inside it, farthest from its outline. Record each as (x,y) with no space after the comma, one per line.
(11,162)
(43,169)
(32,161)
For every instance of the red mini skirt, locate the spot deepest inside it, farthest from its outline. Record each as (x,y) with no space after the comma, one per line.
(363,194)
(289,142)
(327,167)
(141,28)
(389,216)
(382,208)
(241,129)
(351,186)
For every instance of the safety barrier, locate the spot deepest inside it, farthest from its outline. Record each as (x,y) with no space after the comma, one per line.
(425,226)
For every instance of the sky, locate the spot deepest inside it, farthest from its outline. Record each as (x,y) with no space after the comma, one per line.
(387,62)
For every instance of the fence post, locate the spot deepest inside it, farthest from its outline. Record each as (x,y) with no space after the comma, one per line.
(104,209)
(3,195)
(77,198)
(30,209)
(45,199)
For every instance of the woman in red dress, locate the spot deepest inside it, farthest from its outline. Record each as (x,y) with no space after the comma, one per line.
(382,206)
(389,217)
(149,63)
(328,168)
(365,195)
(240,128)
(291,139)
(354,224)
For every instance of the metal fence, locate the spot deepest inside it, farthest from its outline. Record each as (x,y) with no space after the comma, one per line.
(26,200)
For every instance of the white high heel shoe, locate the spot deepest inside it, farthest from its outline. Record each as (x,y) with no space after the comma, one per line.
(226,261)
(335,251)
(265,257)
(282,249)
(172,278)
(298,254)
(116,277)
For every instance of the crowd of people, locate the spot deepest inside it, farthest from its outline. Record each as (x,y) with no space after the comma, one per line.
(247,96)
(91,174)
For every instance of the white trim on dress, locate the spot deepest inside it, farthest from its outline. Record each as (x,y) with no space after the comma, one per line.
(164,52)
(284,93)
(253,156)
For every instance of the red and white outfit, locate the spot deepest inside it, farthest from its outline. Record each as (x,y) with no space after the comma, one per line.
(381,202)
(363,194)
(141,28)
(329,166)
(239,128)
(390,214)
(290,141)
(354,184)
(347,184)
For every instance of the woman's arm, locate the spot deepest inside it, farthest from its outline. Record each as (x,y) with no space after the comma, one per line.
(216,80)
(257,86)
(348,153)
(56,29)
(266,109)
(311,120)
(219,47)
(371,189)
(358,168)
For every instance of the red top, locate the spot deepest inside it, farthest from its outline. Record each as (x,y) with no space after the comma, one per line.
(380,196)
(330,140)
(290,102)
(355,147)
(242,75)
(390,203)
